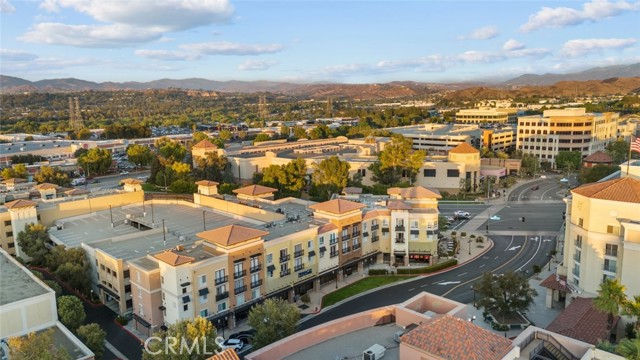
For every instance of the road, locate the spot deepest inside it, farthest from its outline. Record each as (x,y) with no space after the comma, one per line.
(549,189)
(111,181)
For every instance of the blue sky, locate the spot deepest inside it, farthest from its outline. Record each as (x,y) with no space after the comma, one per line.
(308,41)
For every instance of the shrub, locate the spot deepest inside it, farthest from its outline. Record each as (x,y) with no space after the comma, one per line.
(463,234)
(429,269)
(305,298)
(378,272)
(472,236)
(122,320)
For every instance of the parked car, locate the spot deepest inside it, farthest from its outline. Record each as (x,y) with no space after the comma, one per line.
(450,219)
(536,187)
(234,344)
(246,336)
(125,172)
(461,214)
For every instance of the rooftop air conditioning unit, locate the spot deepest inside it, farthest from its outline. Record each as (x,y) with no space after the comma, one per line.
(179,248)
(375,352)
(181,238)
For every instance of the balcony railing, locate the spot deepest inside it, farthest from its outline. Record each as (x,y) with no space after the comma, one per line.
(356,246)
(240,289)
(239,274)
(222,280)
(399,240)
(375,238)
(222,296)
(576,258)
(346,250)
(356,233)
(346,237)
(255,284)
(256,268)
(610,268)
(285,258)
(385,229)
(374,227)
(298,253)
(333,254)
(399,227)
(298,267)
(285,273)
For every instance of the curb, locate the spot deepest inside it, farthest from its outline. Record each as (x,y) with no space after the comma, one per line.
(418,277)
(128,332)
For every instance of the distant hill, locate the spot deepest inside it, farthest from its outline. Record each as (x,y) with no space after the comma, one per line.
(599,73)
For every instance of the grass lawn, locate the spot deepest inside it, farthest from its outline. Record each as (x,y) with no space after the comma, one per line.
(360,286)
(150,187)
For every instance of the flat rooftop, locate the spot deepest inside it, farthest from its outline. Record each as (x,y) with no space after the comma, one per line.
(351,345)
(16,282)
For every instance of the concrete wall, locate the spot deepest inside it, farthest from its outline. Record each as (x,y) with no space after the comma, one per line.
(237,209)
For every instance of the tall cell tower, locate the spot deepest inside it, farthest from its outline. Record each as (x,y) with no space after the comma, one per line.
(75,118)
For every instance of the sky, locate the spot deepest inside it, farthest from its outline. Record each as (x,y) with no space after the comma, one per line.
(313,41)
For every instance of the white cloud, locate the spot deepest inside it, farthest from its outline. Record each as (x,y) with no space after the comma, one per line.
(480,56)
(256,65)
(534,53)
(16,55)
(579,47)
(512,44)
(6,7)
(169,15)
(166,55)
(483,33)
(228,48)
(96,36)
(563,16)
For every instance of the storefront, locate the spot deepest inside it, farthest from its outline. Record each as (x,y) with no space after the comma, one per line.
(328,276)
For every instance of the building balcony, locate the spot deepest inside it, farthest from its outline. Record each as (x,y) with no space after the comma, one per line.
(240,290)
(385,229)
(356,234)
(222,280)
(285,258)
(346,237)
(333,254)
(222,296)
(375,227)
(576,272)
(255,284)
(346,250)
(400,228)
(240,274)
(298,253)
(255,268)
(298,267)
(400,240)
(576,258)
(356,247)
(285,272)
(375,238)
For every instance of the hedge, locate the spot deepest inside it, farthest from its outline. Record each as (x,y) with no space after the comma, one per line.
(429,269)
(378,272)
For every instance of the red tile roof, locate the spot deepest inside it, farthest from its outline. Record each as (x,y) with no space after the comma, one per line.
(14,181)
(337,206)
(76,191)
(254,190)
(21,203)
(45,186)
(581,321)
(464,148)
(598,157)
(204,144)
(227,354)
(375,213)
(131,181)
(447,337)
(626,189)
(420,192)
(397,205)
(556,282)
(231,235)
(173,259)
(326,228)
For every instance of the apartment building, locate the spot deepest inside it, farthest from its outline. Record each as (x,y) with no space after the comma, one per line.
(570,129)
(484,115)
(499,139)
(602,236)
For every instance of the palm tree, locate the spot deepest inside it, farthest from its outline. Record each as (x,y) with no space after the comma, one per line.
(629,348)
(610,298)
(632,308)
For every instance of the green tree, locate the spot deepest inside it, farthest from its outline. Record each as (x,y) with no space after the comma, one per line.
(629,348)
(75,275)
(83,134)
(139,155)
(182,186)
(300,133)
(54,286)
(595,173)
(38,346)
(197,334)
(16,171)
(96,161)
(504,294)
(170,151)
(213,167)
(48,174)
(70,311)
(397,160)
(610,298)
(618,150)
(568,160)
(331,173)
(32,241)
(225,135)
(262,137)
(285,131)
(93,336)
(199,136)
(631,307)
(529,165)
(320,132)
(273,320)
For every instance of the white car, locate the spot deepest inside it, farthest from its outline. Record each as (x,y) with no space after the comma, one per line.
(495,217)
(460,213)
(124,172)
(235,344)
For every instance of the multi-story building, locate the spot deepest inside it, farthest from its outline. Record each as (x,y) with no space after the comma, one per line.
(566,130)
(486,115)
(499,139)
(602,236)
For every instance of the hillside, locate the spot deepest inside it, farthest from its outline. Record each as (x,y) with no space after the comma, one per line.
(599,73)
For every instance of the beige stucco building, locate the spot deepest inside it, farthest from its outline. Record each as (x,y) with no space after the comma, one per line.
(486,115)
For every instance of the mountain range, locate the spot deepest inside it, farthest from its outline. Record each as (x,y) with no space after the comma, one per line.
(397,89)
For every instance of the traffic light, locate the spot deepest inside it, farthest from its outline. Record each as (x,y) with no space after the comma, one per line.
(522,219)
(564,215)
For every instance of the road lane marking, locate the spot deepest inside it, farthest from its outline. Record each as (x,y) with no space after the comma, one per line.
(464,273)
(482,265)
(534,255)
(512,236)
(411,289)
(424,285)
(449,282)
(513,248)
(554,187)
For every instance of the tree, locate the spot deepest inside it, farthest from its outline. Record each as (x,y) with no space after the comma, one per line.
(631,307)
(83,134)
(529,165)
(38,346)
(629,348)
(569,160)
(330,175)
(610,298)
(321,131)
(618,150)
(504,294)
(261,137)
(93,336)
(213,167)
(170,151)
(300,133)
(595,173)
(273,320)
(16,171)
(397,160)
(199,136)
(54,286)
(139,155)
(182,186)
(225,135)
(75,275)
(198,335)
(95,161)
(70,311)
(32,241)
(48,174)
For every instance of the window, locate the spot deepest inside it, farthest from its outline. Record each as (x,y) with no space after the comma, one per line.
(203,280)
(364,226)
(453,173)
(204,313)
(321,241)
(162,296)
(9,233)
(269,258)
(385,223)
(12,245)
(141,310)
(283,253)
(580,222)
(414,224)
(220,275)
(610,265)
(222,306)
(298,264)
(611,250)
(221,289)
(611,229)
(238,283)
(184,290)
(185,307)
(7,223)
(578,242)
(255,278)
(332,238)
(237,269)
(429,172)
(140,292)
(203,298)
(161,278)
(310,244)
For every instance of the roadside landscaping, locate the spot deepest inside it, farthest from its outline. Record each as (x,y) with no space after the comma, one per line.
(358,287)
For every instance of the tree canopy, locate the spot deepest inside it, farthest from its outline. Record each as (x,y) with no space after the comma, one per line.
(96,161)
(139,154)
(504,293)
(53,175)
(595,173)
(618,150)
(396,161)
(16,171)
(32,241)
(330,175)
(70,311)
(273,320)
(93,336)
(198,334)
(213,167)
(529,165)
(38,346)
(289,179)
(568,160)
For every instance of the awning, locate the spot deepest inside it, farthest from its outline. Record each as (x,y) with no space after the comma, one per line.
(254,255)
(239,260)
(186,299)
(312,253)
(365,234)
(323,249)
(109,291)
(433,232)
(185,284)
(142,321)
(271,268)
(204,291)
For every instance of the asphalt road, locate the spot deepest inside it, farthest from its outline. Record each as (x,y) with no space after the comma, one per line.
(111,181)
(537,217)
(548,189)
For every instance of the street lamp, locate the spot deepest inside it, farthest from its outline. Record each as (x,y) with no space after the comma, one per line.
(469,241)
(474,296)
(337,278)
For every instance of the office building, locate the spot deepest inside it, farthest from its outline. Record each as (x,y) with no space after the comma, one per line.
(486,115)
